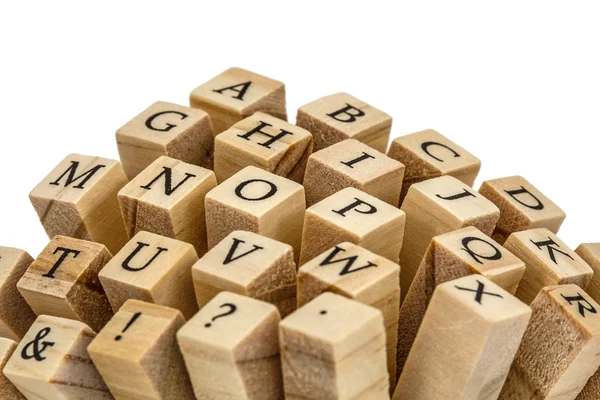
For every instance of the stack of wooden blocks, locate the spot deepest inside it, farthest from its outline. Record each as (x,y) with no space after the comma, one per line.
(233,255)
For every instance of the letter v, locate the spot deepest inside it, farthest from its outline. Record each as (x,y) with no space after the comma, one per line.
(230,255)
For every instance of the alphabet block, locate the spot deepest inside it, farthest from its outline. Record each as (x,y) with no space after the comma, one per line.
(549,262)
(236,94)
(166,129)
(137,353)
(353,216)
(340,116)
(52,362)
(428,154)
(451,256)
(79,199)
(167,198)
(466,344)
(8,391)
(152,268)
(15,314)
(251,265)
(257,201)
(334,348)
(231,349)
(351,163)
(521,206)
(437,206)
(590,253)
(560,349)
(356,273)
(63,281)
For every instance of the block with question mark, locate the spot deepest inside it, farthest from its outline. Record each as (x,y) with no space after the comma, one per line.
(231,349)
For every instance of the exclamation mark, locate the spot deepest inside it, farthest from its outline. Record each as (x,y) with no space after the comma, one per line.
(135,316)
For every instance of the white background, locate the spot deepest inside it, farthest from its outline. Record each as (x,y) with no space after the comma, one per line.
(517,83)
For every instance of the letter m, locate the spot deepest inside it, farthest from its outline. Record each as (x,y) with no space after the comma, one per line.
(71,172)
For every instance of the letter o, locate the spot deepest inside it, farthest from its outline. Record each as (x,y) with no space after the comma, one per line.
(240,188)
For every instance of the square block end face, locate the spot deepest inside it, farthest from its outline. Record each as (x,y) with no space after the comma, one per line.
(577,304)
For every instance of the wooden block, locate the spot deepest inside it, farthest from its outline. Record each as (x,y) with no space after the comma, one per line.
(236,94)
(451,256)
(231,349)
(590,253)
(79,199)
(466,344)
(15,314)
(549,262)
(166,129)
(137,353)
(52,362)
(340,116)
(152,268)
(356,273)
(353,216)
(251,265)
(428,154)
(167,198)
(560,348)
(257,201)
(351,163)
(334,348)
(435,207)
(521,206)
(63,281)
(8,391)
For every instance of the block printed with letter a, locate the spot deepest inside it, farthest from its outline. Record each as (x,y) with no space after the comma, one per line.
(236,94)
(8,391)
(79,199)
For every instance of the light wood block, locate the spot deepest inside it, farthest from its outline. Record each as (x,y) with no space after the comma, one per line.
(351,163)
(340,116)
(231,349)
(257,201)
(590,253)
(167,198)
(549,262)
(236,94)
(334,348)
(79,199)
(165,129)
(560,348)
(356,273)
(428,154)
(52,362)
(63,282)
(451,256)
(152,268)
(353,216)
(251,265)
(8,391)
(265,142)
(437,206)
(137,353)
(15,314)
(522,207)
(466,344)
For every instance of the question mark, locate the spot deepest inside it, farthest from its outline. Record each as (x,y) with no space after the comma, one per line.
(232,309)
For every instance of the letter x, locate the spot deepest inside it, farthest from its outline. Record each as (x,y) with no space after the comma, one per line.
(479,292)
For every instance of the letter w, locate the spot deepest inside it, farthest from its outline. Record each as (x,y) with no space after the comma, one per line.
(348,260)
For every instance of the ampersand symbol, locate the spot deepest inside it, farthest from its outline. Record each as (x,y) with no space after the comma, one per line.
(35,343)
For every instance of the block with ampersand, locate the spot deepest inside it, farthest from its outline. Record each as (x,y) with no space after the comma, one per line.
(549,262)
(334,348)
(63,281)
(560,349)
(590,253)
(428,154)
(231,349)
(351,215)
(340,116)
(8,391)
(137,353)
(165,129)
(522,207)
(79,199)
(236,94)
(251,265)
(152,268)
(15,314)
(351,163)
(167,198)
(466,343)
(52,362)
